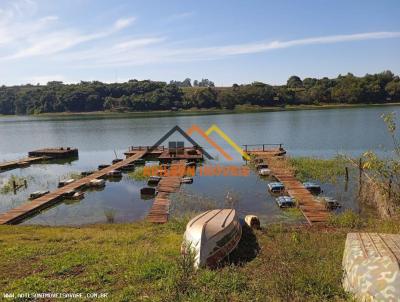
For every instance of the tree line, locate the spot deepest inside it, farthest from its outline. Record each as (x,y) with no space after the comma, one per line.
(149,95)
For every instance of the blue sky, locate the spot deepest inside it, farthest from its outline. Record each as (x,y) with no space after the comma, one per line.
(225,41)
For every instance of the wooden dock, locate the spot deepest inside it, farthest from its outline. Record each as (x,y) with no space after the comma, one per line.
(20,163)
(40,155)
(159,212)
(18,214)
(313,211)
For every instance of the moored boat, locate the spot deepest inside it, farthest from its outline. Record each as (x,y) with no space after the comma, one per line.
(211,236)
(276,187)
(97,183)
(285,202)
(187,180)
(65,182)
(148,191)
(329,202)
(262,166)
(312,187)
(153,180)
(117,160)
(101,167)
(114,173)
(264,172)
(38,194)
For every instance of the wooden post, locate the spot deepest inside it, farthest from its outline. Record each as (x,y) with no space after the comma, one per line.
(347,173)
(25,183)
(14,187)
(263,147)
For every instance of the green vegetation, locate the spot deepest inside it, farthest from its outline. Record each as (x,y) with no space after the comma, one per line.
(387,170)
(138,174)
(324,170)
(8,186)
(149,95)
(141,262)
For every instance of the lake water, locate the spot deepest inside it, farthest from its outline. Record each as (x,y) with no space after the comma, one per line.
(322,133)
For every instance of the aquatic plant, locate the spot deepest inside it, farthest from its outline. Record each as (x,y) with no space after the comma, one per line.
(324,170)
(138,174)
(8,186)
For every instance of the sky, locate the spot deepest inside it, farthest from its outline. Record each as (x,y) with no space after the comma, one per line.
(226,41)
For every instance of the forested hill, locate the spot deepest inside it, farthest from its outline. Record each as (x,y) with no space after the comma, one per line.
(150,95)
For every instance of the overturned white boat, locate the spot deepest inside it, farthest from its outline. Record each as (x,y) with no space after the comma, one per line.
(211,236)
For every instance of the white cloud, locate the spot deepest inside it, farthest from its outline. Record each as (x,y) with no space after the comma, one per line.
(123,23)
(135,43)
(150,50)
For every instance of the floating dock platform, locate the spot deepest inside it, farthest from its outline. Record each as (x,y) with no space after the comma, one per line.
(168,155)
(55,153)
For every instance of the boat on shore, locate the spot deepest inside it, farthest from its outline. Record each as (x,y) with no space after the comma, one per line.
(264,172)
(38,194)
(211,236)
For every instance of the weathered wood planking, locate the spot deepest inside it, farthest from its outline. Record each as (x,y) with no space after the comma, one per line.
(313,211)
(17,214)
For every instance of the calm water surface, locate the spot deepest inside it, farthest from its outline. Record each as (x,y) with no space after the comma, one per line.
(322,133)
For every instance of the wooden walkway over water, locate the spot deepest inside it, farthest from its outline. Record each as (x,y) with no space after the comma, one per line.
(315,212)
(30,208)
(14,164)
(159,212)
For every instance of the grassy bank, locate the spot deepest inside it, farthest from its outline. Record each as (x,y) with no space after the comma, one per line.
(141,262)
(239,109)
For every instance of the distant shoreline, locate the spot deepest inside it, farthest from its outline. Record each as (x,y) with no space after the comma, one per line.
(195,112)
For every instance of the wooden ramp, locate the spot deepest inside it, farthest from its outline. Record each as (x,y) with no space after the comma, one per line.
(159,212)
(17,214)
(14,164)
(313,211)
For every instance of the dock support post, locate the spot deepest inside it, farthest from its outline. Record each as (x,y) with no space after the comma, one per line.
(347,173)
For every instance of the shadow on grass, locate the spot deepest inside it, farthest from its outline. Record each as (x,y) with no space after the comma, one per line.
(247,249)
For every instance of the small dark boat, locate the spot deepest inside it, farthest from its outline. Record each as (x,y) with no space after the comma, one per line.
(276,187)
(258,160)
(86,173)
(312,187)
(65,182)
(69,194)
(148,191)
(191,164)
(117,160)
(330,203)
(101,167)
(187,180)
(128,167)
(261,166)
(153,180)
(114,173)
(78,195)
(139,161)
(38,194)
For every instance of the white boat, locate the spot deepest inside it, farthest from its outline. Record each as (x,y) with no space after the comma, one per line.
(264,172)
(187,180)
(97,183)
(211,236)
